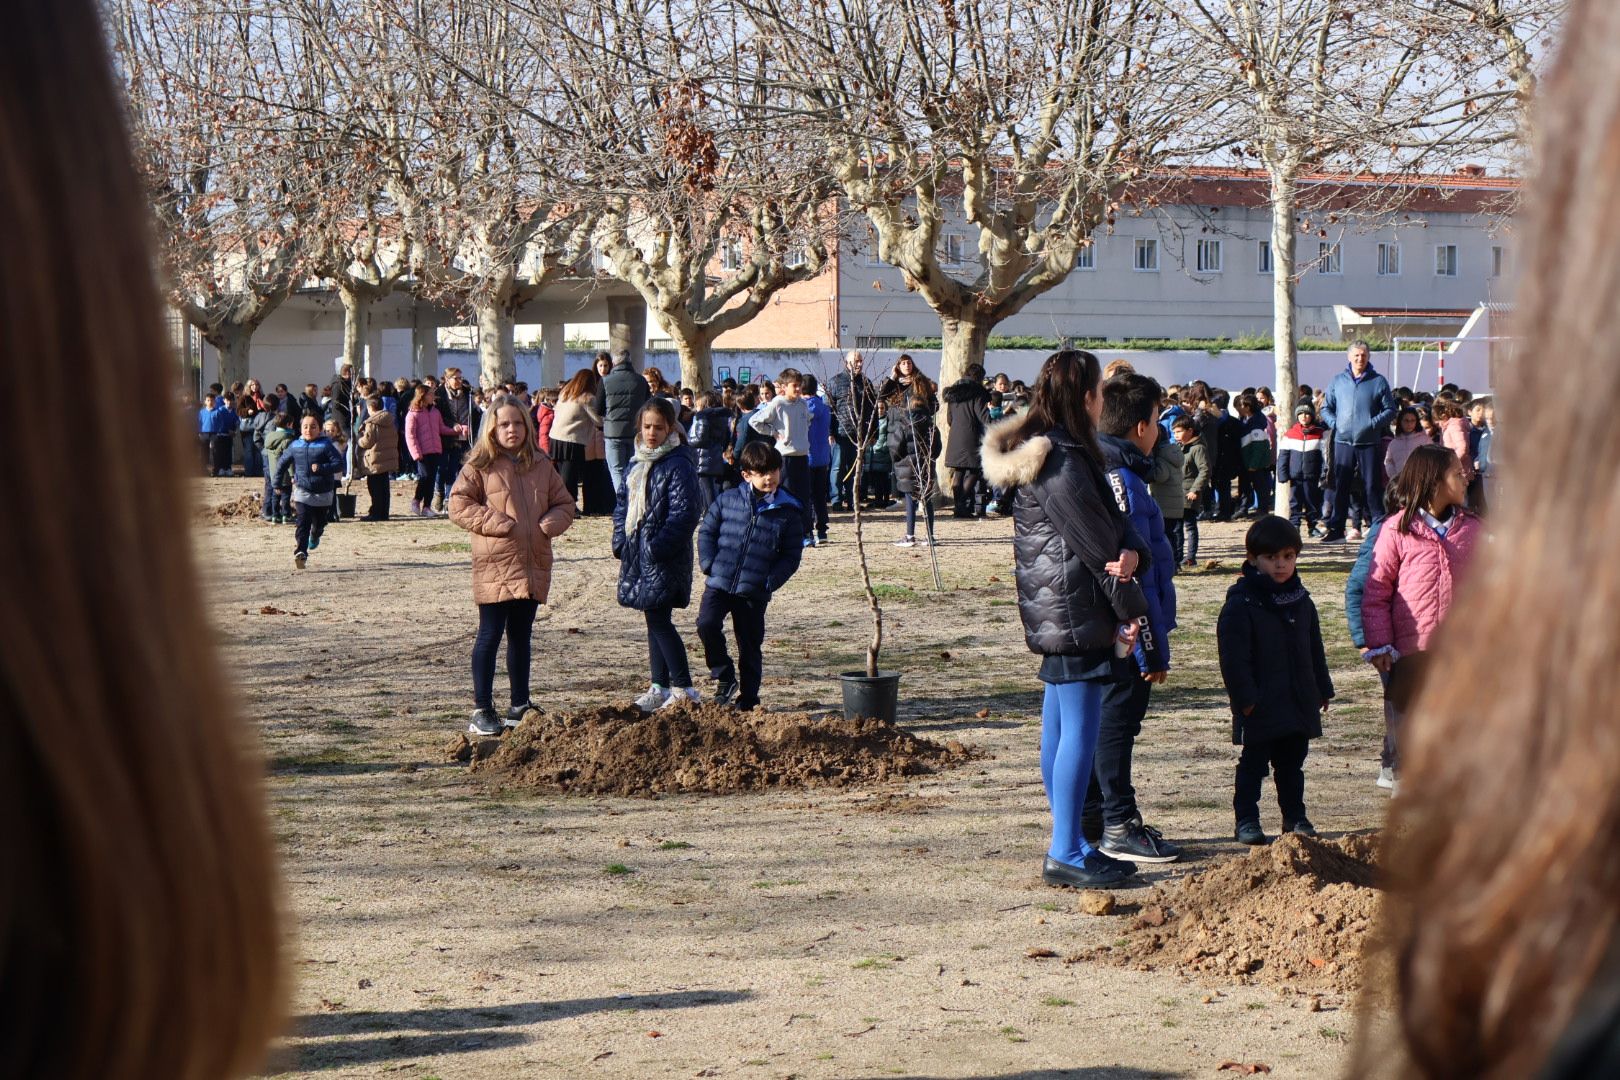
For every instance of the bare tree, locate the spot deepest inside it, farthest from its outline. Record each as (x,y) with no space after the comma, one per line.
(209,90)
(1364,94)
(1028,122)
(709,200)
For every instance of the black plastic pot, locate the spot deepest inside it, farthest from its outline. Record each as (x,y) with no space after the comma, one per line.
(874,698)
(346,506)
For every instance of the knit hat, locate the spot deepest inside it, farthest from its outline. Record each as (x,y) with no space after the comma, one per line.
(1304,408)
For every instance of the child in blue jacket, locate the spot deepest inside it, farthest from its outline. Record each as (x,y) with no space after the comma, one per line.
(749,545)
(310,469)
(1127,434)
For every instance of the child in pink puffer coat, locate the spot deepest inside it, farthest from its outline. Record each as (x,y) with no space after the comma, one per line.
(1419,557)
(1454,427)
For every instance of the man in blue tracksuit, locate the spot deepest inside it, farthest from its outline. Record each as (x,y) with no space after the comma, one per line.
(1359,407)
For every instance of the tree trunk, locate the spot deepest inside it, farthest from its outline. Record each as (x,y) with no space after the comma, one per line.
(234,345)
(1283,197)
(697,360)
(356,327)
(497,345)
(962,344)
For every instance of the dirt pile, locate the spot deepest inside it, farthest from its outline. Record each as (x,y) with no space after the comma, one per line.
(615,750)
(1292,914)
(241,508)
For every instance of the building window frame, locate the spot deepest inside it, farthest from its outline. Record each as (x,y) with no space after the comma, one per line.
(1389,259)
(1209,257)
(1330,258)
(1145,258)
(1445,260)
(1263,263)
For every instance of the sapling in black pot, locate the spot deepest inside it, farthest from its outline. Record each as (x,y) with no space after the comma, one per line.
(870,693)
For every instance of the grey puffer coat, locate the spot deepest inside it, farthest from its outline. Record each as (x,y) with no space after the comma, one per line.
(1065,530)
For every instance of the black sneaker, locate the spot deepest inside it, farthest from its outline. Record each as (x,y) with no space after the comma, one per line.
(1332,536)
(1097,872)
(1250,832)
(724,691)
(1092,829)
(484,722)
(516,713)
(1138,843)
(1302,827)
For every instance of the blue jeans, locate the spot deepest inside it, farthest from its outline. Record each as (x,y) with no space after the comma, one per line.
(619,453)
(449,468)
(252,458)
(1070,716)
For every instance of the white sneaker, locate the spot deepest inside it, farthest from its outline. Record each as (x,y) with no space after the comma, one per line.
(681,695)
(1354,534)
(1386,777)
(905,541)
(426,512)
(654,698)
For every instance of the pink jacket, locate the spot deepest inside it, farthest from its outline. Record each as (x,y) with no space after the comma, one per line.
(425,431)
(1414,580)
(1454,437)
(1400,448)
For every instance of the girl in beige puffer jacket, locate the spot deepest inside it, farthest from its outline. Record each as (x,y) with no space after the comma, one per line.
(513,502)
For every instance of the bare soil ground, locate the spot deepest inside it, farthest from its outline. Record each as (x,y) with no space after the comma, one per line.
(447,928)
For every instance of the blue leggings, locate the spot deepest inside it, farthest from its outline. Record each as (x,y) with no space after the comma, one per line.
(1069,719)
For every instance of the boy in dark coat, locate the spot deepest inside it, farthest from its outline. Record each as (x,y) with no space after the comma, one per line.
(711,437)
(967,404)
(1276,675)
(749,544)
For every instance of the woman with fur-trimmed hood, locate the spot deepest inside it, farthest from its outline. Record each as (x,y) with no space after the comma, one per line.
(1077,557)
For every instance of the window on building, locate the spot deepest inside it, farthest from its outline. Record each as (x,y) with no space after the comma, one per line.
(731,255)
(1086,257)
(795,259)
(1329,259)
(955,249)
(1209,256)
(1263,266)
(1499,261)
(1147,254)
(1445,260)
(1389,260)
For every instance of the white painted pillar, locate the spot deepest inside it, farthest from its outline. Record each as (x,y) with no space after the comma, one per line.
(554,340)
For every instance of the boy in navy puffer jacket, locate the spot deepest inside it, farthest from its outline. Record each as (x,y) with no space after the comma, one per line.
(711,436)
(749,544)
(1127,434)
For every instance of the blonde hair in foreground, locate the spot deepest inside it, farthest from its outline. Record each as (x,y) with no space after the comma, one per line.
(486,450)
(138,899)
(1503,853)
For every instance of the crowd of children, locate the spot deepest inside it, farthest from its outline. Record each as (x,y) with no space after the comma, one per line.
(744,477)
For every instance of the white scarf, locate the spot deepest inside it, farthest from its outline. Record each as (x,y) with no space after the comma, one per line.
(636,485)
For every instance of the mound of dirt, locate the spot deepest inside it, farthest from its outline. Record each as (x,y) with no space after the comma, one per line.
(1293,914)
(616,750)
(241,508)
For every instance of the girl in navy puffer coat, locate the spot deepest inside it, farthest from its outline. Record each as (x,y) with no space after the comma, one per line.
(653,520)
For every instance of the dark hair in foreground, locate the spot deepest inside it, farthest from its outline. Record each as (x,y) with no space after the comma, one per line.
(1414,486)
(1502,858)
(759,457)
(1129,399)
(1271,535)
(139,923)
(1059,399)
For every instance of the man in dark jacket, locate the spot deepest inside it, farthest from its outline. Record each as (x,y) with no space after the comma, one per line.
(309,404)
(1359,407)
(967,406)
(854,405)
(456,405)
(618,400)
(749,544)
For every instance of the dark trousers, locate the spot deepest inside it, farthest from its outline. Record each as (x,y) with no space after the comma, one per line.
(965,491)
(1355,471)
(1261,489)
(1175,529)
(748,623)
(381,496)
(911,502)
(1189,535)
(1304,502)
(875,485)
(205,443)
(848,462)
(311,524)
(513,619)
(712,486)
(449,466)
(569,457)
(1110,794)
(1221,504)
(666,652)
(267,502)
(221,450)
(796,478)
(427,471)
(1389,757)
(818,497)
(1284,758)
